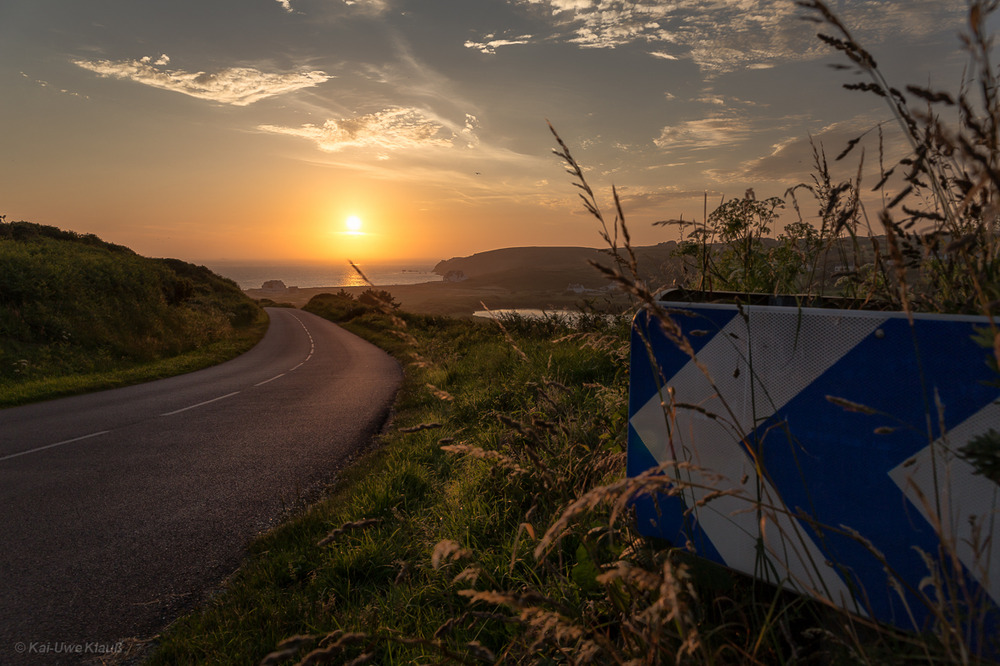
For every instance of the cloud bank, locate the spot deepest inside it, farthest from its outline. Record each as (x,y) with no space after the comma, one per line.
(237,86)
(719,35)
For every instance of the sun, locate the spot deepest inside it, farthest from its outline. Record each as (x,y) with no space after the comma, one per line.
(353,223)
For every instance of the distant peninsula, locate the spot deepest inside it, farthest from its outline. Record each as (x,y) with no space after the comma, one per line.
(515,277)
(552,267)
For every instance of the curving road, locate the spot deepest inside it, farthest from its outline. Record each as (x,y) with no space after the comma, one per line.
(118,508)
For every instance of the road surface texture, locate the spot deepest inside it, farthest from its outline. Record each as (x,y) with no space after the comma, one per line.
(119,509)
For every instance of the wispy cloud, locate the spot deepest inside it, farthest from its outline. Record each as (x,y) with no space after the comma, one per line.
(45,84)
(369,6)
(704,133)
(490,47)
(792,157)
(390,129)
(469,131)
(611,23)
(238,86)
(641,199)
(725,35)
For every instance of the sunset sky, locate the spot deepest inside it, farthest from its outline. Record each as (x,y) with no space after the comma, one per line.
(253,129)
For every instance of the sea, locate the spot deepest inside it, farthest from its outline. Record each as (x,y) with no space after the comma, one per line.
(251,275)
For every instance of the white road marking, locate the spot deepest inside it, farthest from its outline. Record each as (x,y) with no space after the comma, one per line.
(312,344)
(184,409)
(312,350)
(270,380)
(49,446)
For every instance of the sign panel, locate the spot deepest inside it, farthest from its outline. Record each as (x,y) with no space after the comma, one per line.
(817,449)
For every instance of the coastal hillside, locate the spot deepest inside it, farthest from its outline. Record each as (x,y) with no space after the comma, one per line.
(521,258)
(73,304)
(555,267)
(547,278)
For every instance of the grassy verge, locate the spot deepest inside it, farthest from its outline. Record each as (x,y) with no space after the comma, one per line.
(501,405)
(491,524)
(128,373)
(78,314)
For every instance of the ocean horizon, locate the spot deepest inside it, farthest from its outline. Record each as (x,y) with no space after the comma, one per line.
(252,275)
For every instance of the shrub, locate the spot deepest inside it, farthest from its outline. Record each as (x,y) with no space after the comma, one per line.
(73,304)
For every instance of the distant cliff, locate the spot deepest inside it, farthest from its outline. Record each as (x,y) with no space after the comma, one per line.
(554,267)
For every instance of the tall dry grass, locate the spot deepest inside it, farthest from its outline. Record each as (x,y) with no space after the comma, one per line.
(938,253)
(578,583)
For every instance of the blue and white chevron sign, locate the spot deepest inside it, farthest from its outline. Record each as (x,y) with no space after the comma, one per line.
(802,443)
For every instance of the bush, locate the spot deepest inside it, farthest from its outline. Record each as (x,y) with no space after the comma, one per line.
(73,303)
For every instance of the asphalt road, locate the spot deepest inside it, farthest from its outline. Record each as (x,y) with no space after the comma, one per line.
(118,509)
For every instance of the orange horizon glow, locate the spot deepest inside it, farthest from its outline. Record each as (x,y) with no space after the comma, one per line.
(259,144)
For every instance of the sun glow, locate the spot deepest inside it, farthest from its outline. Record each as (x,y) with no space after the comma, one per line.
(353,224)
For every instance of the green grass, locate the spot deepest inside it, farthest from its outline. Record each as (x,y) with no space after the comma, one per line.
(78,314)
(47,388)
(437,543)
(379,579)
